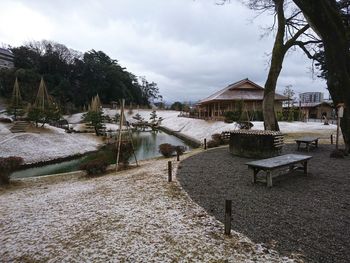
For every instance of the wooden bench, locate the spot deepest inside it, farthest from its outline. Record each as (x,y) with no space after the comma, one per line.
(308,141)
(270,164)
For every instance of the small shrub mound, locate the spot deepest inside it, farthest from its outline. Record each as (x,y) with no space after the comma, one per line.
(212,144)
(180,149)
(217,137)
(95,167)
(125,152)
(245,125)
(7,166)
(166,149)
(5,120)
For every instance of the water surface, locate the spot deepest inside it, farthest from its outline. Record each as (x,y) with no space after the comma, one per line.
(146,146)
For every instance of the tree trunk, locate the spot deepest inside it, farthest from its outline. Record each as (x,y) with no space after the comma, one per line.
(278,52)
(325,18)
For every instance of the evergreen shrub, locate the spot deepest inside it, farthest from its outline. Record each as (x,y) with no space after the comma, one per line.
(95,167)
(166,149)
(212,144)
(7,166)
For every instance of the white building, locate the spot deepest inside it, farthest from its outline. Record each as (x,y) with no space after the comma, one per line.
(6,59)
(311,97)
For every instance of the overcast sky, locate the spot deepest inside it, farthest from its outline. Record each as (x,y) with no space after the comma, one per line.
(189,48)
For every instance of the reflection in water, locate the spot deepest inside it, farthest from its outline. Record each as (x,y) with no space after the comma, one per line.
(146,146)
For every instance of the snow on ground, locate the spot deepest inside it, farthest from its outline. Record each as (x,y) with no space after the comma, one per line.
(4,129)
(51,143)
(134,216)
(200,129)
(45,146)
(74,118)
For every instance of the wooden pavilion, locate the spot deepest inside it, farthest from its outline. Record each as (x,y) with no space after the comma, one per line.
(230,98)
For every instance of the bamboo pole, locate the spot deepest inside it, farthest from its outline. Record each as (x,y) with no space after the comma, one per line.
(132,144)
(120,133)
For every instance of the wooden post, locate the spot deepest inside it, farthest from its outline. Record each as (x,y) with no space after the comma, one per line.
(205,143)
(177,156)
(169,172)
(121,120)
(228,216)
(331,138)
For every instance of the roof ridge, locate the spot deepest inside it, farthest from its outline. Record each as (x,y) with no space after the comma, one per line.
(216,94)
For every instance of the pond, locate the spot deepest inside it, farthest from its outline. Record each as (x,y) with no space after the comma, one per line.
(146,146)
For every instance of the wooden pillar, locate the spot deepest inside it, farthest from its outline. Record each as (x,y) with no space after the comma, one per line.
(228,217)
(214,110)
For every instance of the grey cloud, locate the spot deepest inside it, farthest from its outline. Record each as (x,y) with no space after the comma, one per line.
(190,48)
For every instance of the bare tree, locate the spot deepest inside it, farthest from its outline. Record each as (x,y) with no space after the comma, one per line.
(291,30)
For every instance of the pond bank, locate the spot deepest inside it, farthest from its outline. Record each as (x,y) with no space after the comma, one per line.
(191,141)
(146,147)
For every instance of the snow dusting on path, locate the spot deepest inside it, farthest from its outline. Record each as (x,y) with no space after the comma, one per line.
(134,216)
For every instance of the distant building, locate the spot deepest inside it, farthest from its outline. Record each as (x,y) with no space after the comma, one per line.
(229,98)
(317,110)
(6,59)
(314,106)
(311,97)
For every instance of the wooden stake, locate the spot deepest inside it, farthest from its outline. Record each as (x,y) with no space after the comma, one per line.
(177,156)
(331,138)
(205,143)
(228,216)
(169,172)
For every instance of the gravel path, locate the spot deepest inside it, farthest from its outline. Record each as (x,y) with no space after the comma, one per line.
(300,214)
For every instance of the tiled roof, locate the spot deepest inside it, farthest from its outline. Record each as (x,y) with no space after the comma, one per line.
(314,104)
(240,90)
(6,52)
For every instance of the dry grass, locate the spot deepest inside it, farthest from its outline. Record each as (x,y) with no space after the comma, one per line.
(325,136)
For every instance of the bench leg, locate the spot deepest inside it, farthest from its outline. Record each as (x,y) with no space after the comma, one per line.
(298,145)
(291,167)
(255,172)
(308,147)
(269,179)
(305,167)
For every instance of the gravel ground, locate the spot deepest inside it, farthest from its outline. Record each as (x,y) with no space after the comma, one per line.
(300,214)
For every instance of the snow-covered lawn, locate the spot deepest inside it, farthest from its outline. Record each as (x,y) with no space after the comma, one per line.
(200,129)
(55,143)
(134,216)
(51,143)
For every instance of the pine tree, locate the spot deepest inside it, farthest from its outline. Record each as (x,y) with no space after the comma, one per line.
(95,115)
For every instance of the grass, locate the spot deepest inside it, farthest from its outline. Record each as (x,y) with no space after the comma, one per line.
(324,136)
